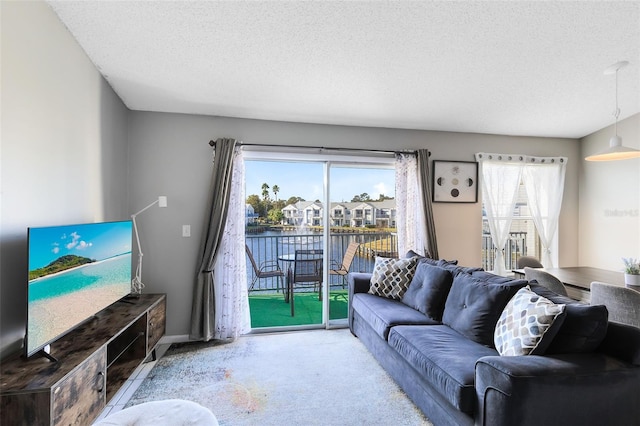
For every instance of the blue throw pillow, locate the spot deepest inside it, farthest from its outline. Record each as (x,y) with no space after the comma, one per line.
(584,327)
(455,269)
(495,279)
(474,306)
(428,290)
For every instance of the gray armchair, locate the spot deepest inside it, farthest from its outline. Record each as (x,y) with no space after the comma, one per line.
(622,303)
(530,261)
(545,279)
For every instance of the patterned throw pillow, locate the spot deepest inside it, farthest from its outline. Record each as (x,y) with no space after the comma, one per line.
(528,324)
(391,277)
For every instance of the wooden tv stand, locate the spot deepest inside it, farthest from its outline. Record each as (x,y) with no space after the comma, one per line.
(94,361)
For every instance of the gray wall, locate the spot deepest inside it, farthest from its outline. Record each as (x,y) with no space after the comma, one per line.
(64,146)
(170,155)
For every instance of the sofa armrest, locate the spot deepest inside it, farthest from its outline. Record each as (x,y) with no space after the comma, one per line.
(568,389)
(623,342)
(359,282)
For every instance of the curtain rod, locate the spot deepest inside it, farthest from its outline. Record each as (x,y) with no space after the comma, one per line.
(381,151)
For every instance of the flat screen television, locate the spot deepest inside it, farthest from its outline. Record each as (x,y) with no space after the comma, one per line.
(75,271)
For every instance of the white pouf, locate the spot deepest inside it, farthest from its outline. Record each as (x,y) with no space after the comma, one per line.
(170,412)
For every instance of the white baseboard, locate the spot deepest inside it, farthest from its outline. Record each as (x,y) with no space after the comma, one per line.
(177,338)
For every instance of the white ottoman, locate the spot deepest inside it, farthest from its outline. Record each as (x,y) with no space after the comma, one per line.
(170,412)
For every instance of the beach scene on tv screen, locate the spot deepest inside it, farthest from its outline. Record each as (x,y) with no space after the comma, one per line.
(74,272)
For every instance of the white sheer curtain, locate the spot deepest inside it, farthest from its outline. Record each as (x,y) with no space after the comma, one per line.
(500,180)
(232,317)
(410,221)
(544,182)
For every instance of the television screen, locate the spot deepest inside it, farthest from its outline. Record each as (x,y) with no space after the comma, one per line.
(74,272)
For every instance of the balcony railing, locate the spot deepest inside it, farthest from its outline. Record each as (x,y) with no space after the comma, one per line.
(516,246)
(274,247)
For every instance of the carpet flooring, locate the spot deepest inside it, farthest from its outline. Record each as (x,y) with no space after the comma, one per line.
(319,377)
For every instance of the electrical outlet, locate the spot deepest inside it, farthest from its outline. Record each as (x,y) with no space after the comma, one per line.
(186,230)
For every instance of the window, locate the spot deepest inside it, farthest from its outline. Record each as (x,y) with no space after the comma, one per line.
(523,237)
(518,190)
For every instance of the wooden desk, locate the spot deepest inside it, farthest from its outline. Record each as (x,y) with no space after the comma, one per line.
(578,279)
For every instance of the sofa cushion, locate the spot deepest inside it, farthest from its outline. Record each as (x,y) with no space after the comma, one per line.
(474,306)
(428,290)
(382,313)
(391,277)
(584,326)
(444,358)
(528,324)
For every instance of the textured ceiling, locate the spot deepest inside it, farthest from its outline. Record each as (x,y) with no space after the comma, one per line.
(517,68)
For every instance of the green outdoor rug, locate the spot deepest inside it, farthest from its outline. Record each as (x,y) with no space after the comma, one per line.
(270,310)
(319,377)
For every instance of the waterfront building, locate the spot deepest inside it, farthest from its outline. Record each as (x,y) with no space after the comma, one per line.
(381,214)
(250,214)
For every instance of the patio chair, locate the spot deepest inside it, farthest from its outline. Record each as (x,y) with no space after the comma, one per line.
(621,302)
(307,269)
(342,269)
(545,279)
(267,269)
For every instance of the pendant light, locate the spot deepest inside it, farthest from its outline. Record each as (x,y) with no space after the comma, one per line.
(616,150)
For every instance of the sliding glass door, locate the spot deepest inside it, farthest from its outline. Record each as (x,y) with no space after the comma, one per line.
(284,203)
(334,215)
(361,221)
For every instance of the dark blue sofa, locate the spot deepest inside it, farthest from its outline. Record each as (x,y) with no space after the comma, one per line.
(441,357)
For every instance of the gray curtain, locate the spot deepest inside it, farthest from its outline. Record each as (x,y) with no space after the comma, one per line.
(202,309)
(423,175)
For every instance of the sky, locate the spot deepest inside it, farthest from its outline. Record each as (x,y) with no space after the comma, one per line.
(306,180)
(93,240)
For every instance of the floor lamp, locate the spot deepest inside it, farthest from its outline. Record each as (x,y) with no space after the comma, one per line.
(136,282)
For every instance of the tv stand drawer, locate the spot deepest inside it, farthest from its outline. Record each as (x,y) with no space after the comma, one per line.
(79,398)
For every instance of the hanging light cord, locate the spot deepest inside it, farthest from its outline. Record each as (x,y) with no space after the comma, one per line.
(616,112)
